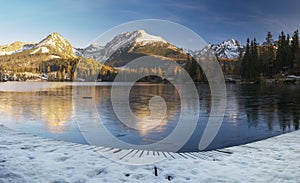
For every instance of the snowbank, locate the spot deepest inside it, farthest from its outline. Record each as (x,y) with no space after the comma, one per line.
(27,158)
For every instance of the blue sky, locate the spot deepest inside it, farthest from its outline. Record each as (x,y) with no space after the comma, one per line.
(82,21)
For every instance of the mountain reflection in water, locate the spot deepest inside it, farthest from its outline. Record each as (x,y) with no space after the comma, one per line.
(253,112)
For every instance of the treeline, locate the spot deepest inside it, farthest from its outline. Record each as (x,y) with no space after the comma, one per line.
(15,67)
(51,67)
(90,70)
(272,58)
(22,62)
(59,69)
(155,73)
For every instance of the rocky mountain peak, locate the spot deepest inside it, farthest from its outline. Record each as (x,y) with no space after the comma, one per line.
(57,44)
(229,49)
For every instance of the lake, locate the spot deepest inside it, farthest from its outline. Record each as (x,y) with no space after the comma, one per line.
(253,112)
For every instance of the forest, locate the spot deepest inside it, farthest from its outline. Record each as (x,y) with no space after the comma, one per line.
(272,59)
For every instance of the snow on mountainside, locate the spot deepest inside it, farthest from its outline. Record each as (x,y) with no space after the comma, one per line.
(15,47)
(53,43)
(129,44)
(230,49)
(118,44)
(144,38)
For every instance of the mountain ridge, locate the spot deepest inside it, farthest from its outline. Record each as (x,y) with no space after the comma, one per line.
(130,45)
(229,49)
(57,45)
(120,42)
(54,55)
(15,47)
(54,43)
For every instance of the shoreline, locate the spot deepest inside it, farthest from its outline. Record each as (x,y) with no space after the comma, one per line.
(28,158)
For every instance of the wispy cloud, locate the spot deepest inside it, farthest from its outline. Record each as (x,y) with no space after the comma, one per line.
(130,12)
(187,5)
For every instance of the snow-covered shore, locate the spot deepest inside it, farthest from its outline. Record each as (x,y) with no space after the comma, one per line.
(26,158)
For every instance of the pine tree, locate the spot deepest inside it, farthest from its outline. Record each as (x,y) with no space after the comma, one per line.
(256,62)
(245,61)
(267,57)
(251,62)
(288,53)
(280,56)
(269,39)
(295,50)
(253,65)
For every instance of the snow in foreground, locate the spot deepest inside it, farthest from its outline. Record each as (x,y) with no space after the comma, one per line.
(25,158)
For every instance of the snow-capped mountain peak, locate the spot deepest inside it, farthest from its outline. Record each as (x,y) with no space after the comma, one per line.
(231,43)
(137,37)
(55,42)
(53,39)
(52,44)
(229,49)
(143,37)
(120,42)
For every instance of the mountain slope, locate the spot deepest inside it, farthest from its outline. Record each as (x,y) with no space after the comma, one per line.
(52,57)
(128,46)
(54,44)
(15,47)
(230,50)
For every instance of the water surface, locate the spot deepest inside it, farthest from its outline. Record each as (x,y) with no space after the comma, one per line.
(253,112)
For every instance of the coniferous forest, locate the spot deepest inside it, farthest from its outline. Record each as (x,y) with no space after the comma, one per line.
(272,59)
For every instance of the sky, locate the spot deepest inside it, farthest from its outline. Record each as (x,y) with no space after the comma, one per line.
(82,21)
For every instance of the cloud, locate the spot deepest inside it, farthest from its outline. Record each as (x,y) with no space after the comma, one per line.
(130,12)
(186,5)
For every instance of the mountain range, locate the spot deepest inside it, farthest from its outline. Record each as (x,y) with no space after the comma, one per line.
(121,49)
(127,46)
(54,54)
